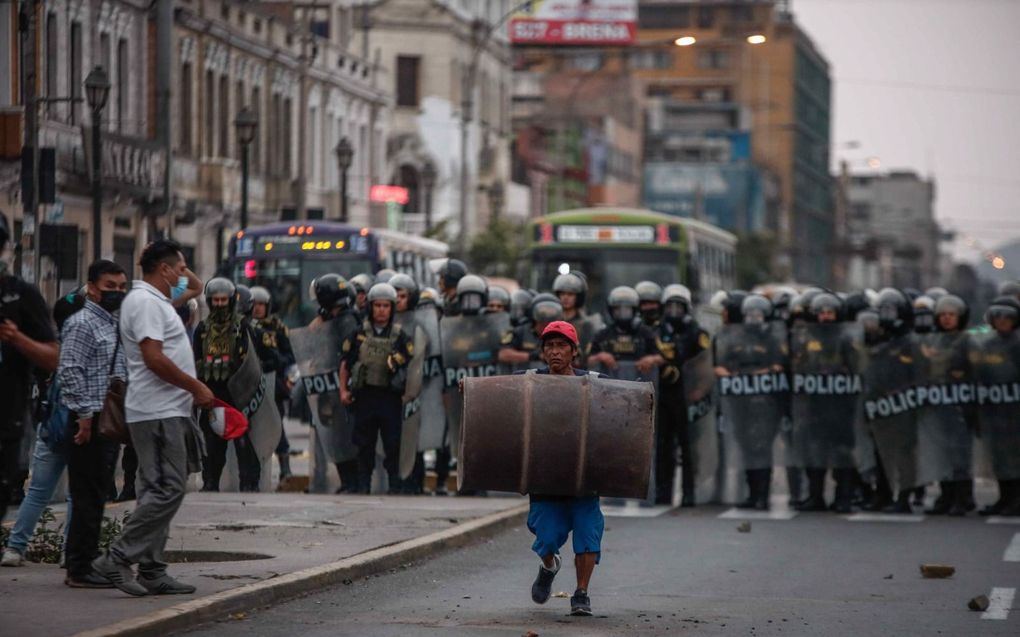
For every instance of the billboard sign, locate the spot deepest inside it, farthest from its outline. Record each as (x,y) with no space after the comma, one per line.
(576,23)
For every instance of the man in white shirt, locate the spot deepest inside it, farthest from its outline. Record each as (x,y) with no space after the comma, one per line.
(162,390)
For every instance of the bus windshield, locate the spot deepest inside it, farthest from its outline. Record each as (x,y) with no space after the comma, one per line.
(606,269)
(289,279)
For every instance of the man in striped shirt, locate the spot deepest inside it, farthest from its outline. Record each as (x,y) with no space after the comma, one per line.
(89,355)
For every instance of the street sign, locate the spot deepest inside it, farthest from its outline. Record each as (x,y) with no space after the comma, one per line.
(389,194)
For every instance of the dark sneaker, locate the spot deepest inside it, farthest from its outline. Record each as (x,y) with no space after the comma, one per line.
(542,588)
(90,580)
(165,585)
(120,575)
(580,603)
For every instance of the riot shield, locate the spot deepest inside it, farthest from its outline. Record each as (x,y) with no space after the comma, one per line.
(317,353)
(470,346)
(254,396)
(997,361)
(826,389)
(888,387)
(945,380)
(433,413)
(702,436)
(411,400)
(753,391)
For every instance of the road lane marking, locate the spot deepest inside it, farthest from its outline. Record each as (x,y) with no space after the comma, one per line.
(998,519)
(883,517)
(747,514)
(1012,553)
(633,509)
(1000,602)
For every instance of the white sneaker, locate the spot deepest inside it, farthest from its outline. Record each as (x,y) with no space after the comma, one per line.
(11,558)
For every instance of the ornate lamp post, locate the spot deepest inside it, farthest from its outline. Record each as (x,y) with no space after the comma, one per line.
(344,157)
(246,123)
(97,92)
(428,182)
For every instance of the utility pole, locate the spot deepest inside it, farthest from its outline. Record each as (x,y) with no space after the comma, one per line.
(164,73)
(29,85)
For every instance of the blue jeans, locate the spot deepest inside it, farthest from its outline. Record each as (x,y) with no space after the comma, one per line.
(47,467)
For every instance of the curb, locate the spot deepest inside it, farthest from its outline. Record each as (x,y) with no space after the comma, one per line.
(291,585)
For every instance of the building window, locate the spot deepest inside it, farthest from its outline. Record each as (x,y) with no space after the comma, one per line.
(256,25)
(224,122)
(185,109)
(122,86)
(210,114)
(706,17)
(664,17)
(51,61)
(587,62)
(713,59)
(74,78)
(276,138)
(651,59)
(407,80)
(285,137)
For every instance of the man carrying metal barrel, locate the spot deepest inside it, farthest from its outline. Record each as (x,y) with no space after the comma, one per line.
(552,518)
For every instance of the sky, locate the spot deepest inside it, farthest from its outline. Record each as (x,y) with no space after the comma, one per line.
(932,86)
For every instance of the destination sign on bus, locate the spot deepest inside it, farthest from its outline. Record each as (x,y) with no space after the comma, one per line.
(285,245)
(602,234)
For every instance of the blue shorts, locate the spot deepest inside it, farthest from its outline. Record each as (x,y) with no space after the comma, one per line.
(552,520)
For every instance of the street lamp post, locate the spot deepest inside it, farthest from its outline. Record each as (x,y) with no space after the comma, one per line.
(97,91)
(344,157)
(246,123)
(428,181)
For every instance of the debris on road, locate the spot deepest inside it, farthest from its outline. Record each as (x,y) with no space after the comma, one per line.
(888,576)
(979,603)
(744,527)
(562,595)
(937,571)
(530,633)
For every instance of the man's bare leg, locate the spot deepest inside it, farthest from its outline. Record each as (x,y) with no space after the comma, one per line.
(585,565)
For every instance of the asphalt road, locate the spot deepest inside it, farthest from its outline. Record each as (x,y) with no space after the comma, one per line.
(690,573)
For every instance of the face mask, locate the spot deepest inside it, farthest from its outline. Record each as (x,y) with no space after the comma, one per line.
(179,289)
(110,300)
(219,314)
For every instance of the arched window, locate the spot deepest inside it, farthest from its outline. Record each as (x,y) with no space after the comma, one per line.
(409,179)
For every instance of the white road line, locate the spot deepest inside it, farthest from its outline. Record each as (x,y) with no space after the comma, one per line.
(998,519)
(633,510)
(745,514)
(1012,553)
(883,517)
(1000,602)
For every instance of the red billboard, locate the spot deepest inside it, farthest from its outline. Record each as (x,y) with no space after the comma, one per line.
(576,23)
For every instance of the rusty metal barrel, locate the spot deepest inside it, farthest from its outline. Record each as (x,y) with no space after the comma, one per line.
(557,435)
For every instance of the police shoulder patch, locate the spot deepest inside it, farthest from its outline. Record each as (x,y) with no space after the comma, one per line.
(704,341)
(507,338)
(346,347)
(410,348)
(814,346)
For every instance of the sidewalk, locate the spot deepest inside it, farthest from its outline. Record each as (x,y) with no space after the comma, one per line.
(278,534)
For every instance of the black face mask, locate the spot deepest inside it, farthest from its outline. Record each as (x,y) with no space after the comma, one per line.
(110,300)
(650,317)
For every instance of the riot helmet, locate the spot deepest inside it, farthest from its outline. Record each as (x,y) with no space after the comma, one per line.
(218,288)
(260,296)
(545,309)
(936,293)
(362,283)
(384,275)
(332,292)
(408,284)
(854,303)
(245,304)
(520,306)
(1002,309)
(499,299)
(430,297)
(1010,288)
(894,311)
(781,299)
(718,301)
(826,308)
(382,292)
(800,305)
(472,294)
(649,301)
(451,271)
(676,304)
(733,306)
(953,305)
(623,303)
(871,324)
(572,282)
(924,314)
(755,309)
(911,294)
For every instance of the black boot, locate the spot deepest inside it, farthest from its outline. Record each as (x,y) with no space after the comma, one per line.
(944,501)
(957,498)
(751,477)
(1000,504)
(902,504)
(348,472)
(1011,508)
(967,493)
(396,485)
(816,491)
(761,502)
(845,480)
(687,500)
(284,460)
(795,485)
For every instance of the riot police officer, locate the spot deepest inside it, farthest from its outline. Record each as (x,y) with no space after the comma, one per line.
(679,338)
(472,295)
(924,315)
(520,307)
(499,300)
(522,344)
(221,346)
(572,290)
(361,284)
(372,378)
(243,303)
(277,355)
(384,275)
(450,272)
(650,299)
(626,338)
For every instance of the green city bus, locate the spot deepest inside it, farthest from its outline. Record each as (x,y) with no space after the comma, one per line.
(621,246)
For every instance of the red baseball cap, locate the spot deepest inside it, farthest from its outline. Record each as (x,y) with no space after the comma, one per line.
(226,421)
(561,328)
